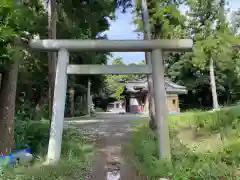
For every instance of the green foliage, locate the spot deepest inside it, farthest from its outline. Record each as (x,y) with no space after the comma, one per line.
(114,84)
(91,24)
(185,163)
(33,134)
(206,23)
(164,17)
(6,3)
(13,28)
(219,121)
(76,154)
(188,163)
(218,48)
(76,19)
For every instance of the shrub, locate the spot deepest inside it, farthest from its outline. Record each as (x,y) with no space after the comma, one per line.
(229,153)
(225,121)
(75,161)
(186,164)
(33,134)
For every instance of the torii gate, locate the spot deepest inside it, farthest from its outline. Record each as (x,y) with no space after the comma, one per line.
(156,47)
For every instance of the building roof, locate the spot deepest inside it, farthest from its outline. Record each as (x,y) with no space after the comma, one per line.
(142,85)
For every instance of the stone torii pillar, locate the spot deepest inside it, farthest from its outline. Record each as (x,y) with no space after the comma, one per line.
(156,47)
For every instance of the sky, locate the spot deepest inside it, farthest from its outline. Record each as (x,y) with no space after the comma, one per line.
(123,29)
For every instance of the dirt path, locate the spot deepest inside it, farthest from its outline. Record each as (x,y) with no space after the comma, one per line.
(110,136)
(109,158)
(199,143)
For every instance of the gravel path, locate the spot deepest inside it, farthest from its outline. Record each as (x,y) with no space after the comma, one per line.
(110,135)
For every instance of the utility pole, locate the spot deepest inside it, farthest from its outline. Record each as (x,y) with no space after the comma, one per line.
(89,97)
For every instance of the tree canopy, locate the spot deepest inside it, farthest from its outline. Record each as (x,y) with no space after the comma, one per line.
(214,36)
(205,22)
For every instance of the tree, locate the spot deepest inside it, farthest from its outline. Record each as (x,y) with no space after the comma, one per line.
(192,69)
(147,36)
(52,56)
(113,87)
(159,19)
(213,40)
(33,81)
(114,84)
(235,25)
(12,30)
(93,22)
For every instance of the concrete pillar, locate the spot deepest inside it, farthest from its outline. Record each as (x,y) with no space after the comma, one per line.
(55,139)
(159,93)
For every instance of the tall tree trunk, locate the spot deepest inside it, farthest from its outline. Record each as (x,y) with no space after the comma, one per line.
(89,98)
(7,107)
(0,79)
(213,84)
(52,56)
(147,36)
(71,101)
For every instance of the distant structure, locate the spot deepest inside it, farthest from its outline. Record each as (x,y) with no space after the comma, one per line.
(136,95)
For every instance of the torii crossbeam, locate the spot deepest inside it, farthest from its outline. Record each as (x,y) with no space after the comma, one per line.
(156,47)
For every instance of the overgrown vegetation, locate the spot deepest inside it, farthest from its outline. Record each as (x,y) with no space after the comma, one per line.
(76,158)
(192,159)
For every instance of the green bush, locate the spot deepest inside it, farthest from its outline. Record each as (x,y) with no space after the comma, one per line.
(225,121)
(229,153)
(77,153)
(26,112)
(33,134)
(213,121)
(223,163)
(186,164)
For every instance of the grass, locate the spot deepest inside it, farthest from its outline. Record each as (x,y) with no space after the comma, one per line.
(77,153)
(204,145)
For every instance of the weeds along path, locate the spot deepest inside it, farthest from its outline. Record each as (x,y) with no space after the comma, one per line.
(109,136)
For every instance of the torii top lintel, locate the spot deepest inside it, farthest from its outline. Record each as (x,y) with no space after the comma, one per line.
(177,45)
